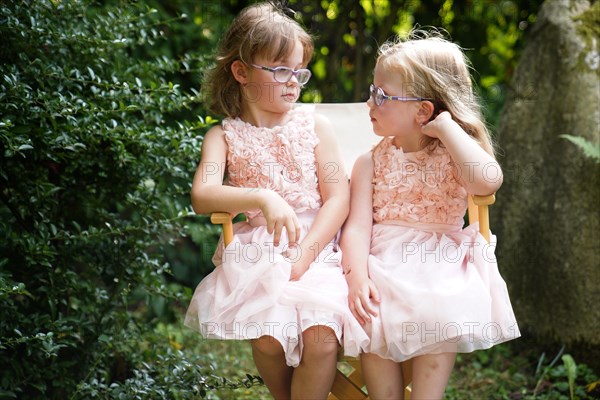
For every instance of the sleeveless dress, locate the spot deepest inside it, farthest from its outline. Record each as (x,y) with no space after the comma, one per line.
(249,294)
(440,287)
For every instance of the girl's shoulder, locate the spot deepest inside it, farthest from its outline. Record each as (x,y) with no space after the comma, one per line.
(214,143)
(362,170)
(216,132)
(364,161)
(323,126)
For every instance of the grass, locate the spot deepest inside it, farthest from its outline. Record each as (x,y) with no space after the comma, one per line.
(503,372)
(230,359)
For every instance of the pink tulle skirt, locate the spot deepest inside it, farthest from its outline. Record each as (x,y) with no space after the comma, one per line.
(249,294)
(441,291)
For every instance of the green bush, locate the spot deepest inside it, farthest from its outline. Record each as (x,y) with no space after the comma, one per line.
(95,171)
(99,137)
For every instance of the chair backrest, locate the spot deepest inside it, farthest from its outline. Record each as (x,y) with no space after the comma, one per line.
(353,128)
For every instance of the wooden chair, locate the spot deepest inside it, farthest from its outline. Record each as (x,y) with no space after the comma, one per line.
(355,136)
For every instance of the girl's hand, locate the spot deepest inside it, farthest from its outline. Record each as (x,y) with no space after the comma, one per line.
(278,215)
(362,300)
(298,269)
(442,122)
(300,260)
(293,254)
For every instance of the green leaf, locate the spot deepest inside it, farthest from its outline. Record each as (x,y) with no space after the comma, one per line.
(7,393)
(589,149)
(571,369)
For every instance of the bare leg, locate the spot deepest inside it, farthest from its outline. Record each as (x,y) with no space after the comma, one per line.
(430,375)
(269,358)
(314,376)
(383,377)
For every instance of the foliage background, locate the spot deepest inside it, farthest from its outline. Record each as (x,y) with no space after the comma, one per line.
(101,123)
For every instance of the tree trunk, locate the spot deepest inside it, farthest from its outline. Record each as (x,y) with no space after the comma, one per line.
(547,212)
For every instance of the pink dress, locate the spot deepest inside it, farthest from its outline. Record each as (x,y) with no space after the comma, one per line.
(249,294)
(440,286)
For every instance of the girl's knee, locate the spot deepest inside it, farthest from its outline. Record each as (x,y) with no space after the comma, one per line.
(371,358)
(320,340)
(267,345)
(433,362)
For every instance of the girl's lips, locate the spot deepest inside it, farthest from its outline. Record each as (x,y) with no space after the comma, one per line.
(290,96)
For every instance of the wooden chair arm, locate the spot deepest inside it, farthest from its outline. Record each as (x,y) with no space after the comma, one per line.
(479,211)
(225,219)
(484,200)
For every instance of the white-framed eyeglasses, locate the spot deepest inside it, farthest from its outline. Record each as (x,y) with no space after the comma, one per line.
(284,74)
(379,96)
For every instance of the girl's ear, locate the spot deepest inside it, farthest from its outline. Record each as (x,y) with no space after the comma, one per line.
(425,112)
(239,71)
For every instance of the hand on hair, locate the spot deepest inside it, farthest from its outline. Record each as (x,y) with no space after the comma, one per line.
(440,123)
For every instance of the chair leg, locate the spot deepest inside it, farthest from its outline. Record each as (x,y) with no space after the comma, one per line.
(407,377)
(355,376)
(344,389)
(349,387)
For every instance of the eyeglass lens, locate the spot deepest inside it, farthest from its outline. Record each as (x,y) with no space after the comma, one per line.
(283,75)
(376,95)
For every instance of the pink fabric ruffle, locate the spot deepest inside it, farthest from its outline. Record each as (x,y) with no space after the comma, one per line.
(280,158)
(422,186)
(249,294)
(441,292)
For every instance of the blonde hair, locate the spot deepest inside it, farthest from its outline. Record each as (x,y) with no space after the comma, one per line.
(432,67)
(261,29)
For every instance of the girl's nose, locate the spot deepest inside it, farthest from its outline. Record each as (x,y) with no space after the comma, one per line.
(370,103)
(293,81)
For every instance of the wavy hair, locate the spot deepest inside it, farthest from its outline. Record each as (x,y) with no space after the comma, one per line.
(431,66)
(262,29)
